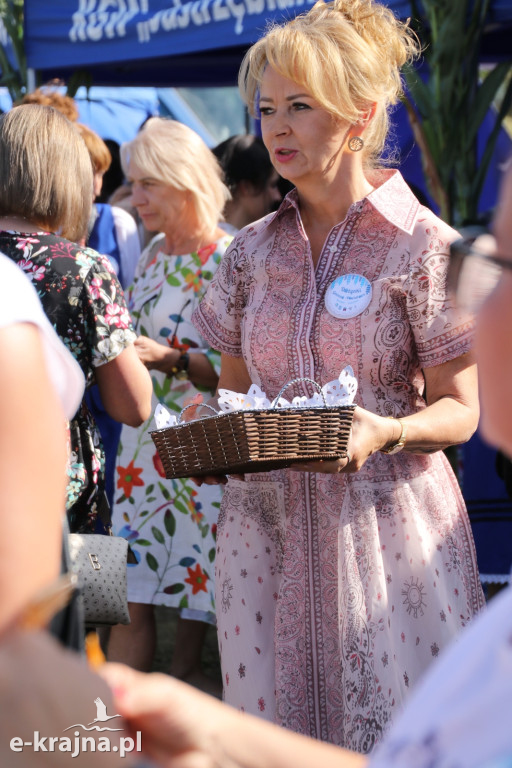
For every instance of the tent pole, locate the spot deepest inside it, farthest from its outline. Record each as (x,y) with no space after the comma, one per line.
(31,80)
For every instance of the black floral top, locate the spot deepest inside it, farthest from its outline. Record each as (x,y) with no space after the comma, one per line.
(85,303)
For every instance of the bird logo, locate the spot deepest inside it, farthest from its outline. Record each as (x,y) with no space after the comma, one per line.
(102,716)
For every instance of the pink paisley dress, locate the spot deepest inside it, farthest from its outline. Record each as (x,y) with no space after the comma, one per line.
(335,592)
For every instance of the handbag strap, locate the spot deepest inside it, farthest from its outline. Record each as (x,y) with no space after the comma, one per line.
(107,524)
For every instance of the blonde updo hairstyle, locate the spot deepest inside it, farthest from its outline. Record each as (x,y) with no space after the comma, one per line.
(171,152)
(347,54)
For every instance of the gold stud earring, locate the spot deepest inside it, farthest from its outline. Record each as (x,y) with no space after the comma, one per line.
(355,143)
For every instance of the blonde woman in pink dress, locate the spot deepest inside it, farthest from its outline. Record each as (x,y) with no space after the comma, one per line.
(338,583)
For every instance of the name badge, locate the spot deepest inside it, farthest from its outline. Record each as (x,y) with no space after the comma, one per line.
(348,296)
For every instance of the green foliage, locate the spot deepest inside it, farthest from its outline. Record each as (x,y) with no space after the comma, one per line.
(14,77)
(452,103)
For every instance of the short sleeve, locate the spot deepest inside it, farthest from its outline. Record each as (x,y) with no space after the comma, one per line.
(219,316)
(442,332)
(108,321)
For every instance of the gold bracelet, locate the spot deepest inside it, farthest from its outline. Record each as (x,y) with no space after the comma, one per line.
(400,443)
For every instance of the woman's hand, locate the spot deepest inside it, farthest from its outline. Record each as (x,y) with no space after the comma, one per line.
(369,434)
(215,479)
(167,712)
(161,357)
(182,727)
(450,418)
(156,356)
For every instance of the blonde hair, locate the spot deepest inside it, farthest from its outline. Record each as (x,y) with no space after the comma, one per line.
(45,170)
(346,53)
(100,154)
(176,155)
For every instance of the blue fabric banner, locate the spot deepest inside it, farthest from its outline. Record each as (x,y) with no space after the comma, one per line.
(87,32)
(177,42)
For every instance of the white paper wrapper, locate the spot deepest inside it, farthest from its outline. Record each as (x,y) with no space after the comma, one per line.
(163,418)
(338,392)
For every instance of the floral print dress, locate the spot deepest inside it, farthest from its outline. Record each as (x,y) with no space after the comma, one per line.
(170,524)
(84,301)
(335,592)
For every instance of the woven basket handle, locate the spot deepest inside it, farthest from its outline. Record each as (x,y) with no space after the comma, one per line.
(196,405)
(296,381)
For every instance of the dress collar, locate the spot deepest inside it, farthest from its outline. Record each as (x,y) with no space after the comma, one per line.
(394,200)
(391,197)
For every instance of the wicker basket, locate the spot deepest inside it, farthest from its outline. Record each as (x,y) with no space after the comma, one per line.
(253,440)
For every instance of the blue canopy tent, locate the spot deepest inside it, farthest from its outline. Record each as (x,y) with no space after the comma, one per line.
(148,42)
(179,42)
(200,43)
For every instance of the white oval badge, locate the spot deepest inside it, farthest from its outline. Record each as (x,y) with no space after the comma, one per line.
(348,296)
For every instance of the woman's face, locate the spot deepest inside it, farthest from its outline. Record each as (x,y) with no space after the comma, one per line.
(304,141)
(494,336)
(161,207)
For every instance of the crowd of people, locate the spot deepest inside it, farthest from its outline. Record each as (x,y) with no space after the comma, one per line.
(334,586)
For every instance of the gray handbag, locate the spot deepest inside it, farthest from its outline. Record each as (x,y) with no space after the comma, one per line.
(100,563)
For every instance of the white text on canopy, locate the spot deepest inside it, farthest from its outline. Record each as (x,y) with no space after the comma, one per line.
(95,20)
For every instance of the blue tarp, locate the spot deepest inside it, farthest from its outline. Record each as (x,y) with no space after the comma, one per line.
(116,113)
(87,32)
(173,42)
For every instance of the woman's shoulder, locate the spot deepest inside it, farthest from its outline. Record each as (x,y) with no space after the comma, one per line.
(94,260)
(60,252)
(214,250)
(431,234)
(427,220)
(44,256)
